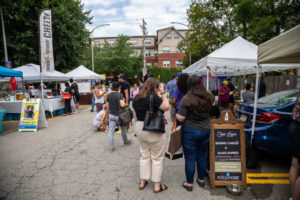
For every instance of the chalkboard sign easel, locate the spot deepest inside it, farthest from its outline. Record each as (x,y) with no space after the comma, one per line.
(227,151)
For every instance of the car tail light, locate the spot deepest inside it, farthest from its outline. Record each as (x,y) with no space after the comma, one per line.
(267,118)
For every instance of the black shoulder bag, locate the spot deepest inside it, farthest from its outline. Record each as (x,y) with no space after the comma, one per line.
(154,122)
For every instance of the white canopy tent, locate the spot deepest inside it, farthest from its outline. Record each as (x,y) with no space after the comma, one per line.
(31,73)
(283,49)
(237,57)
(83,73)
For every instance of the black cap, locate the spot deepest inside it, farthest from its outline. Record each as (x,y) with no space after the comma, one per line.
(123,76)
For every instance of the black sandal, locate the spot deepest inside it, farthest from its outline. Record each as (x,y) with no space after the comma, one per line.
(162,188)
(143,187)
(201,183)
(188,188)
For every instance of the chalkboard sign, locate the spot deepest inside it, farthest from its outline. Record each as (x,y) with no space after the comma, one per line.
(227,151)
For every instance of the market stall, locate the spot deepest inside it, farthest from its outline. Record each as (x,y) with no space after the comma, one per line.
(83,76)
(5,72)
(31,74)
(82,73)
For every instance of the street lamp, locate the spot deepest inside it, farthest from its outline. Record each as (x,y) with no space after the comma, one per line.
(93,68)
(4,37)
(190,55)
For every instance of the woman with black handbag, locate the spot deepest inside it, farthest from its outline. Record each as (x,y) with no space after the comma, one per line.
(150,132)
(194,115)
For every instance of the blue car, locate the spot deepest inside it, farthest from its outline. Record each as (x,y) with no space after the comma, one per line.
(272,121)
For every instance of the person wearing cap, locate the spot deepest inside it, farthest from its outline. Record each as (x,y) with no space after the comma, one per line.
(125,88)
(115,100)
(224,96)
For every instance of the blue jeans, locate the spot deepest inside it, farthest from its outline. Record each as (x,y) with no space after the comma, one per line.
(93,103)
(194,142)
(113,121)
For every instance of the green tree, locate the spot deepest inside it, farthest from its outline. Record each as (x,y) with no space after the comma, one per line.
(216,22)
(117,58)
(69,34)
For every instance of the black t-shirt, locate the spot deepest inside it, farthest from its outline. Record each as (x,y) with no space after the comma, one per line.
(74,87)
(125,85)
(231,86)
(194,118)
(114,102)
(141,106)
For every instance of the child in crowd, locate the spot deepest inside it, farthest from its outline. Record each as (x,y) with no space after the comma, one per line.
(99,120)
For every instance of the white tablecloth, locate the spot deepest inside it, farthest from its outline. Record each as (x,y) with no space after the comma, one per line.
(15,106)
(53,104)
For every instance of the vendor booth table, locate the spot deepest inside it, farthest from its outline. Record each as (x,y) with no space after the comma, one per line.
(50,105)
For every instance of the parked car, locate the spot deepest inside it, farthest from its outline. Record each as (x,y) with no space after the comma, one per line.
(271,128)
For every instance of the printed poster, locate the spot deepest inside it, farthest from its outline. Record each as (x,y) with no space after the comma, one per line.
(29,115)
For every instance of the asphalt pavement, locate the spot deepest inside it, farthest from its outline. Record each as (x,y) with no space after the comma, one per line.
(71,160)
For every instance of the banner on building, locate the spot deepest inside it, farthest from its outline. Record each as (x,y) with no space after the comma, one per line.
(46,45)
(32,116)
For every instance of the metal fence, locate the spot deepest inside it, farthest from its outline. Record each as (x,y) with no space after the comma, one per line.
(273,83)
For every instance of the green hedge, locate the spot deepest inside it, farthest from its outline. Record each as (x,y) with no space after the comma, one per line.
(165,73)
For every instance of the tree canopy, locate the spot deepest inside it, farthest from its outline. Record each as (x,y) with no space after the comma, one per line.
(116,58)
(70,37)
(216,22)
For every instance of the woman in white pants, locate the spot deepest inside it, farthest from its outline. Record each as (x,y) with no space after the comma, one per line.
(152,145)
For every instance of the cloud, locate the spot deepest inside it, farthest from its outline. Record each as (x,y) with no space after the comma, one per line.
(104,12)
(98,3)
(126,15)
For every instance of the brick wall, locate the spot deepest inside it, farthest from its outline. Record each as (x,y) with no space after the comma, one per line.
(172,57)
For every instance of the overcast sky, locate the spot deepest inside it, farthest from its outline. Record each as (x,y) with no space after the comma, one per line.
(124,16)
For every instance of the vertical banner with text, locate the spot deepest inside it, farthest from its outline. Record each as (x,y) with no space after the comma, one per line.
(46,46)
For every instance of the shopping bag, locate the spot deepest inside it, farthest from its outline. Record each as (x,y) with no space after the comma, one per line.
(175,143)
(66,96)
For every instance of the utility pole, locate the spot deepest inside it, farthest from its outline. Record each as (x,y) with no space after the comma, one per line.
(4,37)
(144,30)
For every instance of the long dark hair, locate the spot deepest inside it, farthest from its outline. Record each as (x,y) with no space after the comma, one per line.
(182,83)
(149,87)
(197,96)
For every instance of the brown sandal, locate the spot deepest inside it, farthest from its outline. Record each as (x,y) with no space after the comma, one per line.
(143,187)
(162,188)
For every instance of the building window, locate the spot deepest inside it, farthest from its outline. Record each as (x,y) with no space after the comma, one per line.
(148,41)
(166,63)
(111,42)
(178,63)
(134,42)
(176,36)
(166,49)
(169,36)
(155,64)
(178,50)
(147,53)
(155,53)
(149,64)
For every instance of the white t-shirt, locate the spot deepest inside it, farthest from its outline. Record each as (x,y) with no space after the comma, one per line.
(97,119)
(101,99)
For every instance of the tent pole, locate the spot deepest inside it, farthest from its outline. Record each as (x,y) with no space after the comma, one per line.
(42,89)
(207,79)
(23,86)
(255,103)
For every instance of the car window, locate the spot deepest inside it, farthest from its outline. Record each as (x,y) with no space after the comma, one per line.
(279,98)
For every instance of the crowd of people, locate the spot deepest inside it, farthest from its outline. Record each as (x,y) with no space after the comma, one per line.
(190,105)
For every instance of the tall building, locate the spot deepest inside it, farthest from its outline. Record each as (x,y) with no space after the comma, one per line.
(160,49)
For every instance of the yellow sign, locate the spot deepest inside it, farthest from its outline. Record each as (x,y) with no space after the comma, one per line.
(29,115)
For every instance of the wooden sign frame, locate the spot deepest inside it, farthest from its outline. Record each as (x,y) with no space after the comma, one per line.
(227,121)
